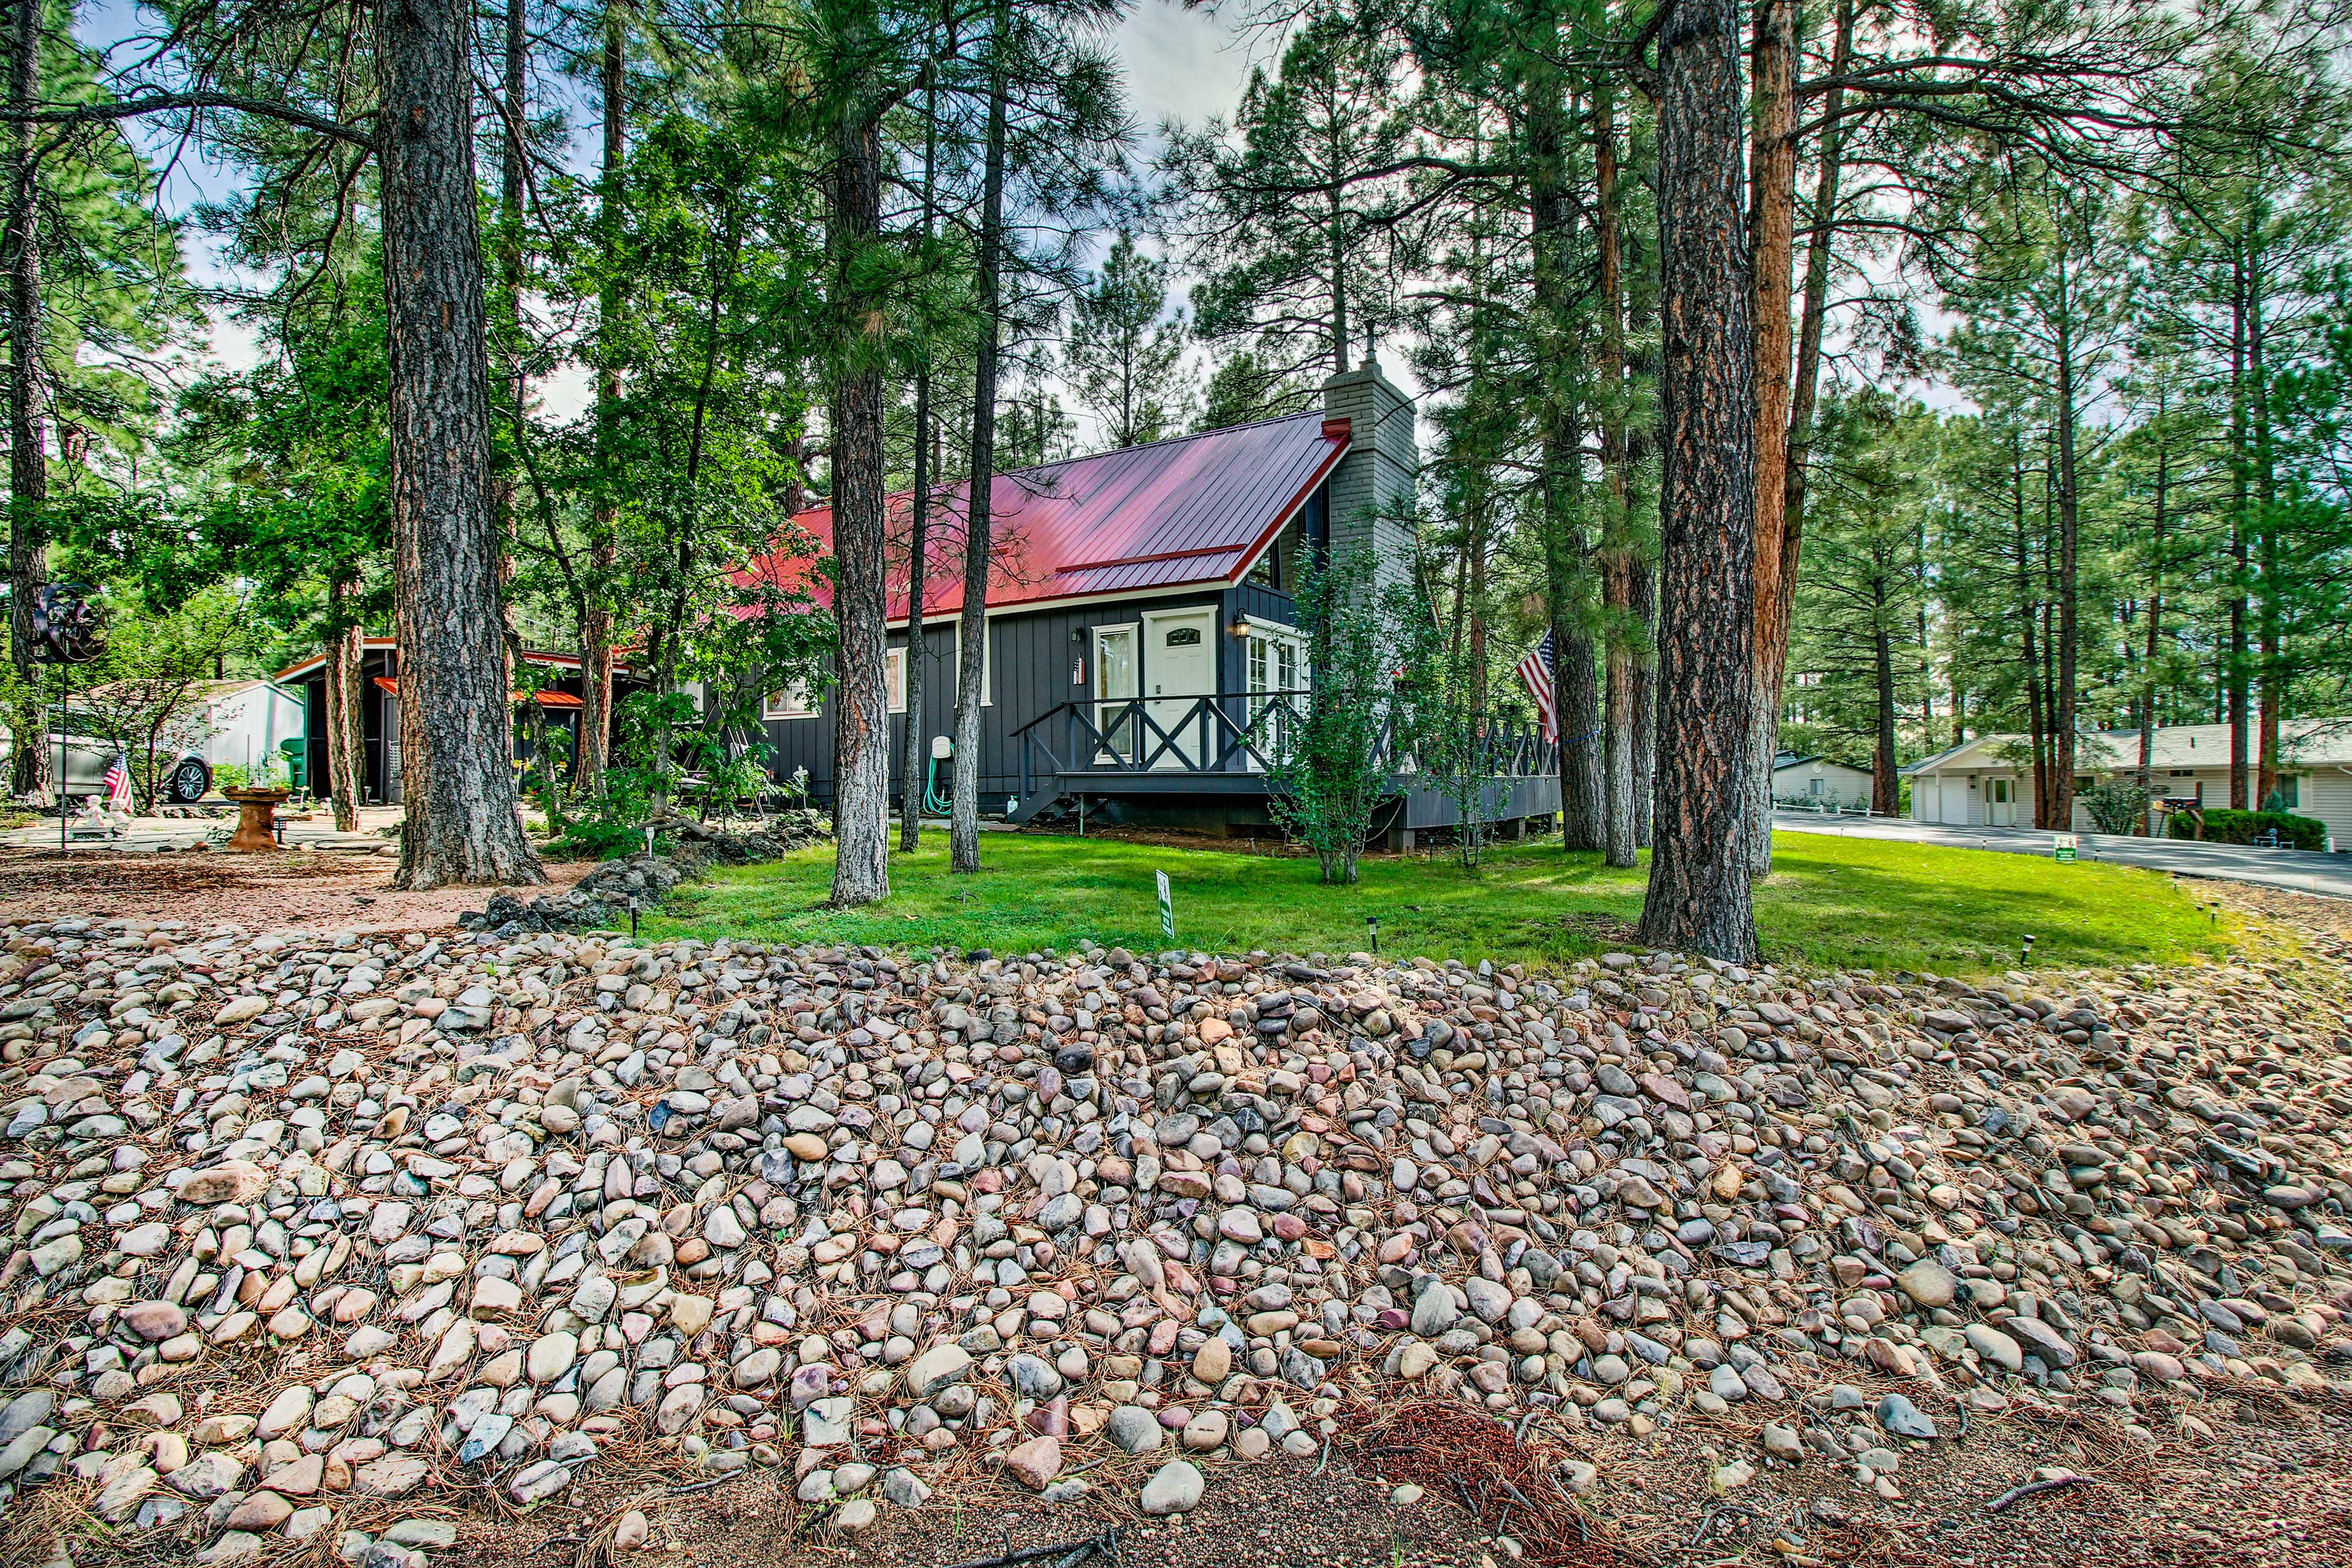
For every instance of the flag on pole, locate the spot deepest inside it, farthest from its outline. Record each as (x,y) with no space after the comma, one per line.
(116,783)
(1536,669)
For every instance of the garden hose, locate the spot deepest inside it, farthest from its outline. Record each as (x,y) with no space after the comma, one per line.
(934,802)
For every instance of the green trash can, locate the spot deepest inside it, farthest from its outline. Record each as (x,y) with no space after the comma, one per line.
(296,762)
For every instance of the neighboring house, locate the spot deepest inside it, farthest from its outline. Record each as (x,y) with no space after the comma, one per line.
(1818,781)
(1988,782)
(245,721)
(380,711)
(1143,655)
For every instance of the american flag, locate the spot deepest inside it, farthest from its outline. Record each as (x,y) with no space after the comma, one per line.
(1536,669)
(116,783)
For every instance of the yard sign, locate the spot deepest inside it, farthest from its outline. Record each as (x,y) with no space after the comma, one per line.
(2062,847)
(1167,908)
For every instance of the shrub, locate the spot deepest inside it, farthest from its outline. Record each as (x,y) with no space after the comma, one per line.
(2243,826)
(2116,806)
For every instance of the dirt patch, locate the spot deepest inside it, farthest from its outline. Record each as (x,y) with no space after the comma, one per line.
(2271,1486)
(324,890)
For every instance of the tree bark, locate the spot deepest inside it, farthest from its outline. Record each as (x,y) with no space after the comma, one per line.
(456,732)
(861,802)
(2147,772)
(1772,232)
(972,636)
(344,742)
(1619,559)
(2028,608)
(1645,708)
(918,543)
(2241,475)
(2061,718)
(596,656)
(1699,895)
(1575,696)
(29,460)
(2270,666)
(1883,783)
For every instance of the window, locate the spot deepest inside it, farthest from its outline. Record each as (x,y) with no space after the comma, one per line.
(794,701)
(1272,667)
(1815,786)
(2000,788)
(1184,636)
(895,680)
(2290,792)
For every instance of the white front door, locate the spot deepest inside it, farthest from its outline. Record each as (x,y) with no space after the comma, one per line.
(1180,664)
(2000,803)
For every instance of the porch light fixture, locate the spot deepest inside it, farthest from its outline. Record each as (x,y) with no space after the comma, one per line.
(1240,627)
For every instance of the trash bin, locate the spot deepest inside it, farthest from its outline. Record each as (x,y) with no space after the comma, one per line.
(296,762)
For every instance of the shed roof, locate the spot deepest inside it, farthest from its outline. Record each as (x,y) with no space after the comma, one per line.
(1195,509)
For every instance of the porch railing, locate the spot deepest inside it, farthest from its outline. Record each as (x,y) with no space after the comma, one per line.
(1228,733)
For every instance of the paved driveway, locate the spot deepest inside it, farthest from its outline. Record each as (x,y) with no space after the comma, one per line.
(2299,870)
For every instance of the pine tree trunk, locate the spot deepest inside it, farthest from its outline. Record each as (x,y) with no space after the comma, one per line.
(1771,229)
(2269,614)
(1646,709)
(2234,671)
(1583,783)
(1883,788)
(918,543)
(2062,717)
(594,751)
(1576,697)
(342,707)
(971,639)
(1699,895)
(861,777)
(1620,564)
(456,732)
(29,460)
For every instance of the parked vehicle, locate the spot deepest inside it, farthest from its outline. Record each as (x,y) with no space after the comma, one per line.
(248,723)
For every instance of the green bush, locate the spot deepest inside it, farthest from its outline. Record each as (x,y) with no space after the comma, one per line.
(2115,806)
(2243,826)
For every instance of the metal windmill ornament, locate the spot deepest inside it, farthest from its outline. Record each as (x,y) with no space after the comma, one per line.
(68,627)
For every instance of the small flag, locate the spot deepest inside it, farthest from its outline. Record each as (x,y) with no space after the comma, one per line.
(116,783)
(1536,669)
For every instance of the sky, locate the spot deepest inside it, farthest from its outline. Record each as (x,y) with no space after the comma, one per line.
(1183,64)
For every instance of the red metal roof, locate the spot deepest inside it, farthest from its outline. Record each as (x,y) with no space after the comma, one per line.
(1195,509)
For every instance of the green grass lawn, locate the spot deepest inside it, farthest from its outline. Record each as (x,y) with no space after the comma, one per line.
(1851,903)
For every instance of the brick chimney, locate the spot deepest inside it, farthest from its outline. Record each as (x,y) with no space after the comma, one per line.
(1372,490)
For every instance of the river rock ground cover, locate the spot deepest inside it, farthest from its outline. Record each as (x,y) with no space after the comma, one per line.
(391,1248)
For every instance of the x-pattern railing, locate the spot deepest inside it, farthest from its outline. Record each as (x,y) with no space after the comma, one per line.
(1235,732)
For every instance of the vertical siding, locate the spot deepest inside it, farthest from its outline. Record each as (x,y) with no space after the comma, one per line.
(1032,658)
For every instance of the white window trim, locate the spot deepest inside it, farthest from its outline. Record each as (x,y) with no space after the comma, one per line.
(894,673)
(1274,632)
(1094,681)
(792,702)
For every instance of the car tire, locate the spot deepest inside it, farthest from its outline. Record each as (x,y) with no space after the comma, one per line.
(189,781)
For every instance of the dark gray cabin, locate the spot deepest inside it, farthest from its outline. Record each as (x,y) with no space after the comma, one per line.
(1142,647)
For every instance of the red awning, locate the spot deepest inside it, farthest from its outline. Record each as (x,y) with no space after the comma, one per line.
(546,699)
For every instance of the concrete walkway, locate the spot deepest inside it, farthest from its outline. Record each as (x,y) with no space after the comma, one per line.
(313,829)
(2302,870)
